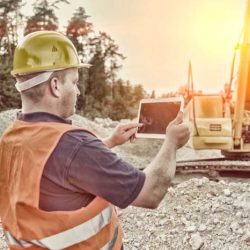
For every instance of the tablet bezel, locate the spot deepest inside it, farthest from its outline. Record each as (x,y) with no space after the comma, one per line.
(168,99)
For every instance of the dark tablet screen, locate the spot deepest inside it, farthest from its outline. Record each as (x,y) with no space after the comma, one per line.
(156,116)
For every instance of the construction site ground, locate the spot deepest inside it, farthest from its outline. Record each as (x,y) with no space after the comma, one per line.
(196,213)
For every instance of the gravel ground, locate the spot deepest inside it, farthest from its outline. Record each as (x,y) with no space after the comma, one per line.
(195,214)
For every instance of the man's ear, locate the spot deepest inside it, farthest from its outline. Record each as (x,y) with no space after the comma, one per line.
(55,87)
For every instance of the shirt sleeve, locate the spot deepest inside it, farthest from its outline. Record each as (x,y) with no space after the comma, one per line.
(99,171)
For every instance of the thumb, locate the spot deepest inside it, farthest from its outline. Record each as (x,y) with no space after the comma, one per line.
(178,119)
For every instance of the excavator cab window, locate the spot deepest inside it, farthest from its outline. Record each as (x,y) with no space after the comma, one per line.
(209,106)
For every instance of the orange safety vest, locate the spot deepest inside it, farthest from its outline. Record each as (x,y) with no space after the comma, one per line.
(24,150)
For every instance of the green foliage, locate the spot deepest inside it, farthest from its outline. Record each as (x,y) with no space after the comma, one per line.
(10,18)
(44,17)
(102,94)
(9,97)
(78,25)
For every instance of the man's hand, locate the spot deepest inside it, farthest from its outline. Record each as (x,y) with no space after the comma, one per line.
(161,170)
(122,133)
(178,132)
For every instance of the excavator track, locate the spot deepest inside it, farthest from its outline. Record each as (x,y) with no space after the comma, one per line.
(213,166)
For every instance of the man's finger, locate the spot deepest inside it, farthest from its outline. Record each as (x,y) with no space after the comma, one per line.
(130,132)
(131,125)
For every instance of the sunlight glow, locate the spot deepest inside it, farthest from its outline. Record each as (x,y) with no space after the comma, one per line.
(216,29)
(160,37)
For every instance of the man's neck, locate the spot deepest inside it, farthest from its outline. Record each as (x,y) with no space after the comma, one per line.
(37,108)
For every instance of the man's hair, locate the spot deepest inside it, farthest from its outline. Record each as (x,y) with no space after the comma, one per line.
(36,93)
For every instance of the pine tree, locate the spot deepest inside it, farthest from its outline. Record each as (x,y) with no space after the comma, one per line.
(10,20)
(96,88)
(102,94)
(139,93)
(78,25)
(44,17)
(79,30)
(105,46)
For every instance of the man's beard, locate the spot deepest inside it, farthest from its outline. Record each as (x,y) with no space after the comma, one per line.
(68,109)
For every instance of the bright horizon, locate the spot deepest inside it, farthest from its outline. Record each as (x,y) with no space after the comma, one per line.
(159,38)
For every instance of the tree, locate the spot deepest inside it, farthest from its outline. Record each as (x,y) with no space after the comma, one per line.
(119,89)
(44,17)
(102,53)
(10,20)
(96,91)
(9,97)
(119,109)
(152,94)
(139,93)
(99,85)
(4,39)
(78,25)
(103,94)
(78,30)
(122,105)
(111,54)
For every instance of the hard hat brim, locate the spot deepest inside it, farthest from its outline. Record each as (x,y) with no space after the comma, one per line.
(46,68)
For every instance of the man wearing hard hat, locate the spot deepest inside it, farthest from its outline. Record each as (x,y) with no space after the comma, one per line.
(59,184)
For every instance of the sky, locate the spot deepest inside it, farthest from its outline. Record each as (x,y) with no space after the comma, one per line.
(159,38)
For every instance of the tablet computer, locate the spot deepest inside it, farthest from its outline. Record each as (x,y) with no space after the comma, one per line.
(156,114)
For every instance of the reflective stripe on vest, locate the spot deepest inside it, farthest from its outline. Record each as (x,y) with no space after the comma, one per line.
(71,236)
(111,244)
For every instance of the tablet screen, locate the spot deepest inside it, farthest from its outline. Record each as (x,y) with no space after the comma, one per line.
(156,116)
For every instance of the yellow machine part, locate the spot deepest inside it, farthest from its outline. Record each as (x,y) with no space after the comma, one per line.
(202,142)
(208,106)
(213,133)
(212,126)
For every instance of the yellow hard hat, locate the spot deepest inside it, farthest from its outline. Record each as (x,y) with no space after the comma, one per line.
(45,51)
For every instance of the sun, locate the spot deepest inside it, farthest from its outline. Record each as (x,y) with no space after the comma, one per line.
(216,27)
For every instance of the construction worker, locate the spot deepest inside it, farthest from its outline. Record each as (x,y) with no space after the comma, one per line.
(59,183)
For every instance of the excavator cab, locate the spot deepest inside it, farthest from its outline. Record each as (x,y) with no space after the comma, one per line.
(210,118)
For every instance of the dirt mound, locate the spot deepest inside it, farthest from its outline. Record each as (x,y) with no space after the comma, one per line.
(8,116)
